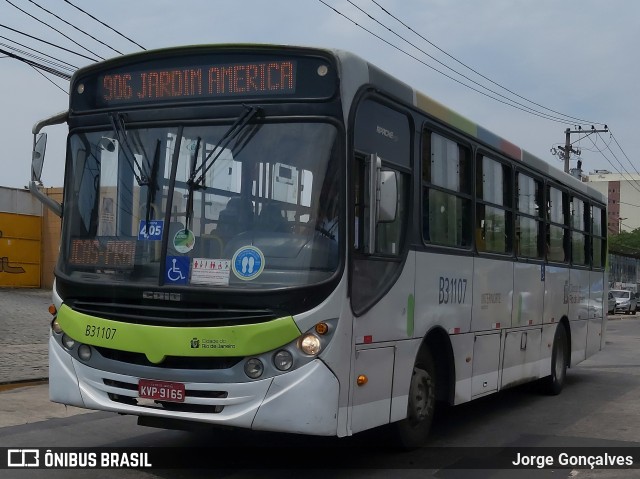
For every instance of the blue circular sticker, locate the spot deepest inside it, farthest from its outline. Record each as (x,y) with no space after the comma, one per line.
(247,263)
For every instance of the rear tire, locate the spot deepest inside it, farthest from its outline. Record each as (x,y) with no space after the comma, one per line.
(554,383)
(413,431)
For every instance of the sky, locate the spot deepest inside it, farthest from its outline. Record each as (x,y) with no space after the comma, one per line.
(573,60)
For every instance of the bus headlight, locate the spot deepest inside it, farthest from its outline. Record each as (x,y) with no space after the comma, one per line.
(254,368)
(310,344)
(55,325)
(283,360)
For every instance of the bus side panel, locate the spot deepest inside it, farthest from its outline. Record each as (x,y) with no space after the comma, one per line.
(579,295)
(388,319)
(462,345)
(598,313)
(597,296)
(579,306)
(521,355)
(443,293)
(556,289)
(372,400)
(492,293)
(405,356)
(528,294)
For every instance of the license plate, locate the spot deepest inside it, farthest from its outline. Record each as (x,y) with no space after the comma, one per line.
(161,390)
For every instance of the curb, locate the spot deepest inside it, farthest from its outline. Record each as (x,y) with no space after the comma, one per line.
(9,385)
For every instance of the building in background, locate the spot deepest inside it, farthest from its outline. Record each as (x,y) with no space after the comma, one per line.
(623,191)
(29,239)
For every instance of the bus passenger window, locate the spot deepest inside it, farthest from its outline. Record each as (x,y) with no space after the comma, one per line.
(446,200)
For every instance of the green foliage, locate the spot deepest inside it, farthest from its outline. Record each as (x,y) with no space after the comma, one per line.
(625,243)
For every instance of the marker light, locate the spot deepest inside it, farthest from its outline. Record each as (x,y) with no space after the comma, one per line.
(84,352)
(322,328)
(254,368)
(52,309)
(67,342)
(283,360)
(310,344)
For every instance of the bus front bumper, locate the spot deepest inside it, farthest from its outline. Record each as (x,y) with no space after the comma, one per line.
(303,401)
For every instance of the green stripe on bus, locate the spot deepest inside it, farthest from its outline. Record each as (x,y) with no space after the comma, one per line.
(157,342)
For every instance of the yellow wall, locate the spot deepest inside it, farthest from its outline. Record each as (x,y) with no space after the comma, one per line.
(51,227)
(20,249)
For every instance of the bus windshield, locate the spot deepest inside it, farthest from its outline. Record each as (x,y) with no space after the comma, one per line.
(203,205)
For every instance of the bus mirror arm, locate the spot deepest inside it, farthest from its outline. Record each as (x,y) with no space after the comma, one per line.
(48,202)
(37,160)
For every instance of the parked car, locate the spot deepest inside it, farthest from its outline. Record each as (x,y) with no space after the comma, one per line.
(626,301)
(611,303)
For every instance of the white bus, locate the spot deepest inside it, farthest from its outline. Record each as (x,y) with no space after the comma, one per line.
(289,239)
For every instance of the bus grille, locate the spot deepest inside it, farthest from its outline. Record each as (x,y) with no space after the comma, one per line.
(170,362)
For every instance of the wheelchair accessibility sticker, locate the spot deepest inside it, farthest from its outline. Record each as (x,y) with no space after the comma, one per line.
(248,263)
(177,269)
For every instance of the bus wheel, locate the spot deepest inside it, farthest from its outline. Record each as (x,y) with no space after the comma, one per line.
(555,382)
(413,431)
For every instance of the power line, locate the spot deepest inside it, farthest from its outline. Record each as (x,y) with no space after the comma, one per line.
(55,30)
(611,135)
(50,80)
(525,109)
(551,117)
(41,59)
(40,66)
(48,43)
(41,53)
(631,181)
(102,23)
(77,28)
(477,72)
(509,102)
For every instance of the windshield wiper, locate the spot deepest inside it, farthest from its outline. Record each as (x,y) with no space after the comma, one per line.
(152,185)
(194,161)
(233,131)
(121,133)
(197,182)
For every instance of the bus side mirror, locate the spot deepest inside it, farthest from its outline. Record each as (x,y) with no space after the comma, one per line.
(37,156)
(387,209)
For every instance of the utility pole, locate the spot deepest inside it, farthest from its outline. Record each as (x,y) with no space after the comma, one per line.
(567,149)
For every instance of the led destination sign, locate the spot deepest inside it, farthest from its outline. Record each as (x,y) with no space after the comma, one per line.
(110,253)
(275,77)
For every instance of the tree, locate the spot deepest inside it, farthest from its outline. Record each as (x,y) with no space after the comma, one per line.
(625,243)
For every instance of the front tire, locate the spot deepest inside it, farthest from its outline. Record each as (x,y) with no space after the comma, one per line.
(559,360)
(413,431)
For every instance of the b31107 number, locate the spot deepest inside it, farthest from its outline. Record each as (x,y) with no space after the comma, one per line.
(99,332)
(452,290)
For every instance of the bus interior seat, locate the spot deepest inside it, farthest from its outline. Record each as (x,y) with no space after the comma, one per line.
(271,219)
(236,217)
